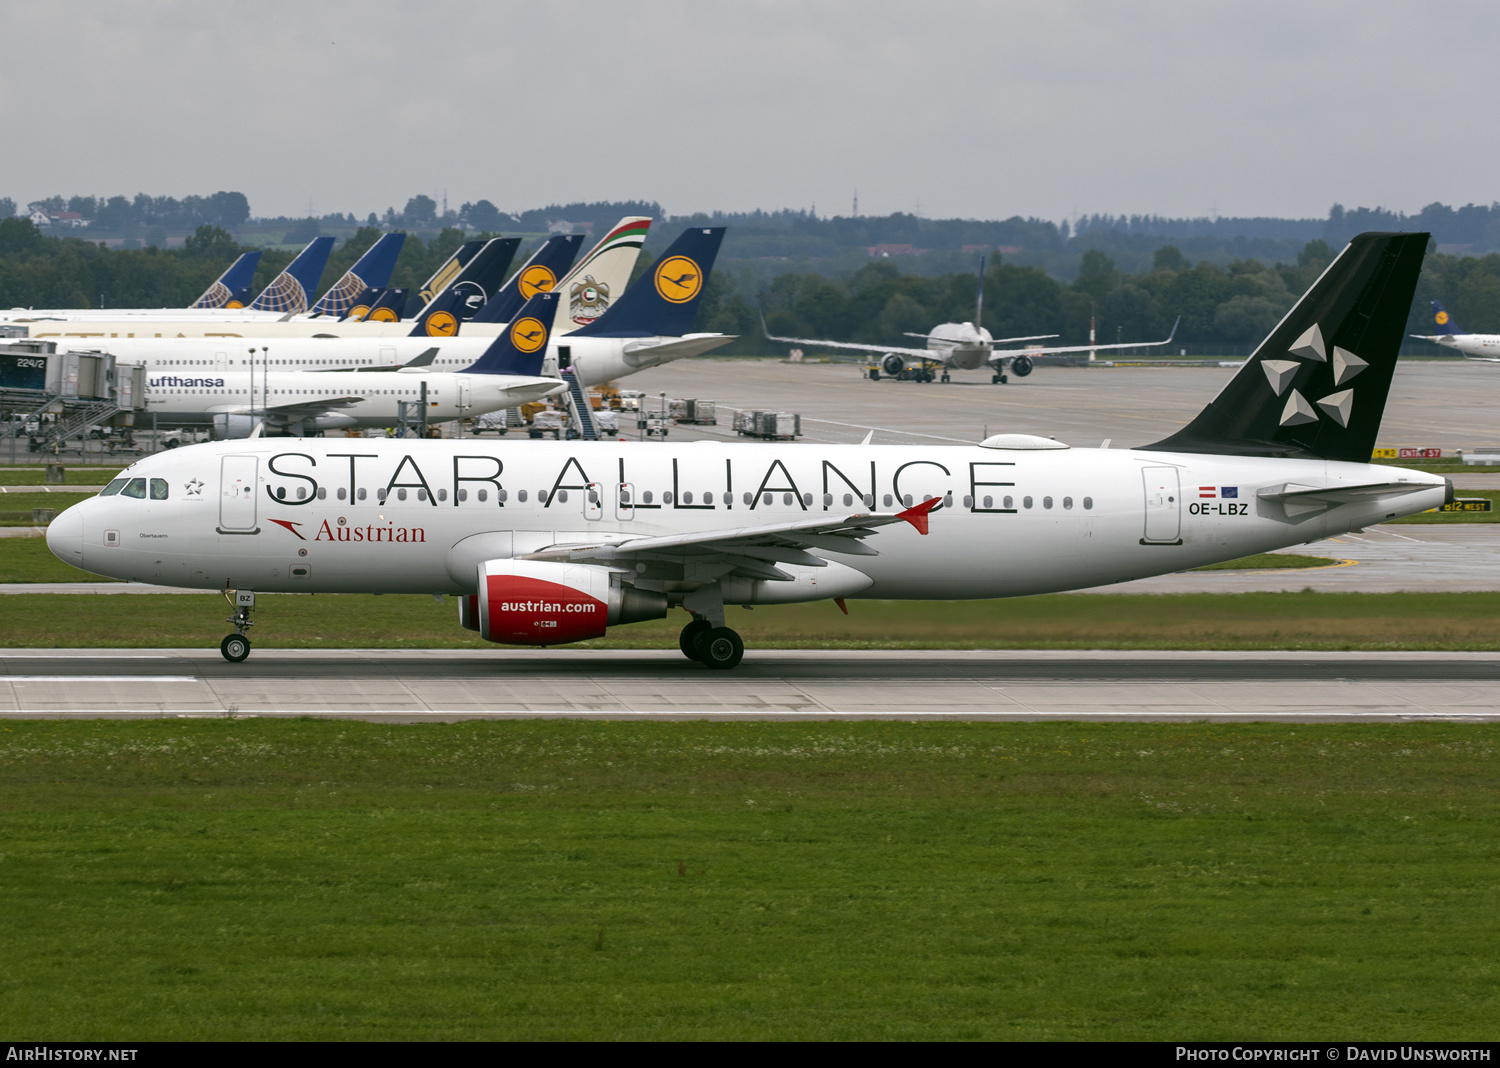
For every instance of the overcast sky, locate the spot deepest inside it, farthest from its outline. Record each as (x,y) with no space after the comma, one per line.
(982,110)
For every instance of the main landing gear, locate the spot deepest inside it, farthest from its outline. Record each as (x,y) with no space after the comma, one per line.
(236,646)
(715,647)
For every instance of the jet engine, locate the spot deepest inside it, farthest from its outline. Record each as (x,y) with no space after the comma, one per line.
(538,602)
(892,365)
(1021,366)
(227,427)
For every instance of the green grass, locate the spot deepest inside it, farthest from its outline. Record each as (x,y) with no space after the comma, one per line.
(1330,621)
(15,508)
(36,475)
(1459,517)
(305,880)
(1270,561)
(29,560)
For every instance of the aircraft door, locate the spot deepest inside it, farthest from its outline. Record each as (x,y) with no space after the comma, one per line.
(221,362)
(593,501)
(237,481)
(464,400)
(625,501)
(1163,506)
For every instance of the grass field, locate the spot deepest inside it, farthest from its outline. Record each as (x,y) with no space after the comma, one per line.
(554,880)
(1328,621)
(36,475)
(15,508)
(29,560)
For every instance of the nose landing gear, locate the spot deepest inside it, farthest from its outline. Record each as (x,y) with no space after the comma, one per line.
(236,646)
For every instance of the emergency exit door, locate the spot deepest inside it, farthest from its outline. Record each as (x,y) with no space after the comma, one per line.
(1163,506)
(237,481)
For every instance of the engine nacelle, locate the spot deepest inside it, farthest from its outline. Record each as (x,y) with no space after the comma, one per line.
(539,602)
(892,364)
(1021,366)
(330,422)
(228,427)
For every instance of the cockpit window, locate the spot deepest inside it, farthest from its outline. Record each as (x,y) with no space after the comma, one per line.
(136,488)
(158,489)
(114,487)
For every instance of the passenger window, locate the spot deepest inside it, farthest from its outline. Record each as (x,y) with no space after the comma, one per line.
(401,494)
(1025,502)
(906,500)
(748,498)
(463,495)
(1010,502)
(158,489)
(521,496)
(379,495)
(1088,504)
(421,495)
(807,500)
(687,496)
(500,495)
(989,502)
(848,500)
(362,494)
(888,500)
(136,488)
(301,492)
(114,487)
(827,500)
(342,493)
(562,496)
(1046,502)
(1067,502)
(646,497)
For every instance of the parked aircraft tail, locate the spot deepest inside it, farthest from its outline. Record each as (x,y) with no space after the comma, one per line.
(602,275)
(444,275)
(361,306)
(664,300)
(1445,322)
(521,347)
(1316,387)
(442,316)
(370,271)
(288,290)
(539,274)
(481,277)
(229,285)
(388,306)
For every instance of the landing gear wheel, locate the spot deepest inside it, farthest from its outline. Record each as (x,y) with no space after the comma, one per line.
(235,648)
(687,641)
(945,377)
(721,648)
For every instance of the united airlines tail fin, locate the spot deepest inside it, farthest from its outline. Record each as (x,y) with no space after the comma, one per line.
(537,275)
(370,271)
(388,306)
(481,276)
(1445,323)
(235,280)
(444,275)
(288,290)
(441,317)
(602,275)
(663,301)
(1316,387)
(521,347)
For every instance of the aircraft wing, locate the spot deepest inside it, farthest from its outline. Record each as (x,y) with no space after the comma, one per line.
(291,410)
(993,340)
(1006,354)
(926,354)
(749,551)
(677,348)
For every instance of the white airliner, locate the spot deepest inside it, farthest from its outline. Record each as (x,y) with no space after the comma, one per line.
(1475,346)
(246,401)
(963,347)
(552,543)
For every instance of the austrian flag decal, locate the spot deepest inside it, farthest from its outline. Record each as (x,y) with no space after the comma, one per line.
(1227,493)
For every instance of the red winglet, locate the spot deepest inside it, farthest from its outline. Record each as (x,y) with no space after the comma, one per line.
(916,515)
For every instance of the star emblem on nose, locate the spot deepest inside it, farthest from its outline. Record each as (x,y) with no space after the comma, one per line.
(194,488)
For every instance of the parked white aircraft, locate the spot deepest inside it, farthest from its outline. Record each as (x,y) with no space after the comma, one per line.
(961,346)
(552,543)
(1475,346)
(245,401)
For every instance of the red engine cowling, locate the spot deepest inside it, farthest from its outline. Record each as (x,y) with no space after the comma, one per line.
(534,602)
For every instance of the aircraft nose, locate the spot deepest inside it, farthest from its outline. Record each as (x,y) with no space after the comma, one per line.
(65,536)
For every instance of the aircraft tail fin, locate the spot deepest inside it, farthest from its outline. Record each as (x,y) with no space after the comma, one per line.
(361,306)
(388,307)
(371,271)
(664,300)
(480,277)
(288,290)
(1316,387)
(229,285)
(444,275)
(442,316)
(602,275)
(522,346)
(539,274)
(1444,321)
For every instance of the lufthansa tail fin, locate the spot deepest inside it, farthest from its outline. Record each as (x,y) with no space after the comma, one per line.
(1316,387)
(537,275)
(370,271)
(480,277)
(442,316)
(230,284)
(1444,321)
(663,301)
(521,347)
(361,306)
(288,290)
(444,275)
(388,306)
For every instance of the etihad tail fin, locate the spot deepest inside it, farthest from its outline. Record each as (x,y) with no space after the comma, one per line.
(602,275)
(1445,323)
(1316,387)
(441,317)
(288,290)
(539,274)
(480,277)
(371,271)
(663,301)
(522,346)
(388,306)
(229,285)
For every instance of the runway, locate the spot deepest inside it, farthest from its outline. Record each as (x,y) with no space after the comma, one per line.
(444,686)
